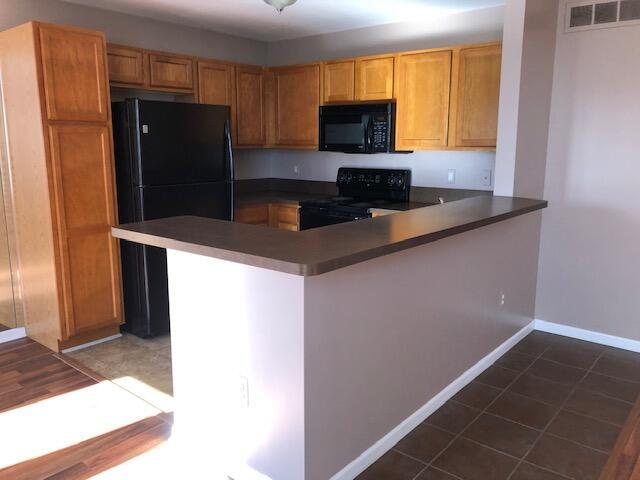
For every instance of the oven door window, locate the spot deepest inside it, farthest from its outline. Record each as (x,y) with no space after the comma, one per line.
(314,218)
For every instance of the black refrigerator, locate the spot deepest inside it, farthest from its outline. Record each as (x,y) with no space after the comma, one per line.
(172,159)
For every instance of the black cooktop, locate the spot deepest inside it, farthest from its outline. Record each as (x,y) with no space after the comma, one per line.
(360,204)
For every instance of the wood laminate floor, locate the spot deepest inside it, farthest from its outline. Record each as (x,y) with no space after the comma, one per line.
(60,421)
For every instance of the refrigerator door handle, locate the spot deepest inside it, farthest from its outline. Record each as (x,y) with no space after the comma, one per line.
(230,166)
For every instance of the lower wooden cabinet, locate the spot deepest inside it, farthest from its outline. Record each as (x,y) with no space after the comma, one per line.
(283,216)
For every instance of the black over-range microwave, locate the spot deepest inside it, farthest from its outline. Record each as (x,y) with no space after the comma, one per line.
(358,127)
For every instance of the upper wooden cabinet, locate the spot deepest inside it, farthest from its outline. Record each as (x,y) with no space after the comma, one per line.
(297,100)
(126,65)
(374,78)
(475,96)
(423,84)
(339,81)
(217,86)
(170,71)
(74,72)
(250,106)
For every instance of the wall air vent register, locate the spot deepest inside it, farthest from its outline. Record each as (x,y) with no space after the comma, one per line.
(589,15)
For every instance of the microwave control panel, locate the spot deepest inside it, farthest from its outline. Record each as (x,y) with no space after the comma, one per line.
(381,133)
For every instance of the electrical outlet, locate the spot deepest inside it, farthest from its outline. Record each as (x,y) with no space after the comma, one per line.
(244,392)
(485,178)
(451,176)
(501,299)
(296,169)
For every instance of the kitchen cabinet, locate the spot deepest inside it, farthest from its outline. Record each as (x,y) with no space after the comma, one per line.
(170,71)
(296,100)
(217,86)
(74,73)
(374,78)
(339,81)
(475,96)
(62,179)
(250,106)
(283,216)
(126,65)
(423,82)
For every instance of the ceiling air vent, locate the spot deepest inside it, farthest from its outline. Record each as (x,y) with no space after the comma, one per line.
(589,15)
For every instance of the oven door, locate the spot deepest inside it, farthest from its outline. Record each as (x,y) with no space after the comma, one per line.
(348,133)
(320,217)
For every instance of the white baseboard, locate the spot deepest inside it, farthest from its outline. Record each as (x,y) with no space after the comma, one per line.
(387,442)
(588,335)
(13,334)
(91,344)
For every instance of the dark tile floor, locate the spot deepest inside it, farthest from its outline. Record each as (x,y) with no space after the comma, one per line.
(550,409)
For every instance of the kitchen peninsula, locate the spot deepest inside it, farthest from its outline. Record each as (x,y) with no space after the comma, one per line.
(297,347)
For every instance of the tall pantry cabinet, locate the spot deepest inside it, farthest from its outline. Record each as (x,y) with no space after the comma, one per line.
(58,146)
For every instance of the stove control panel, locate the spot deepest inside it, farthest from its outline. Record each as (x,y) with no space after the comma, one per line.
(359,181)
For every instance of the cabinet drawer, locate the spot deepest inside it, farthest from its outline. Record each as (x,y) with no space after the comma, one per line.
(253,214)
(126,65)
(171,72)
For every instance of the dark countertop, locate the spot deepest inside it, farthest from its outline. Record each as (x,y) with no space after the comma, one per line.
(272,196)
(321,250)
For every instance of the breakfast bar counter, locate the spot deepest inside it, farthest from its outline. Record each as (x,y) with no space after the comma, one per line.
(322,250)
(307,355)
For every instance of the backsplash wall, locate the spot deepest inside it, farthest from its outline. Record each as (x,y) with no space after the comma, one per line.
(429,169)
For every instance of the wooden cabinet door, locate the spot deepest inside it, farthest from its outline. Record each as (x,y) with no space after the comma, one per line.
(339,81)
(284,216)
(170,72)
(126,65)
(217,86)
(74,74)
(423,87)
(257,214)
(475,97)
(297,102)
(250,122)
(84,203)
(374,78)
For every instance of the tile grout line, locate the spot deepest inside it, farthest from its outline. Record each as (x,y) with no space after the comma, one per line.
(458,435)
(573,390)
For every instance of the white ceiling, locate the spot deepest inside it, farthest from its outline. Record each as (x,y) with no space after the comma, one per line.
(254,19)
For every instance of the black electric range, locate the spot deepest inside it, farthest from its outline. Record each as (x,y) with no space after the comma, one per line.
(361,192)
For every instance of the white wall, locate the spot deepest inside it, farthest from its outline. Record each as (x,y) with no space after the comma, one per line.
(589,273)
(136,31)
(429,169)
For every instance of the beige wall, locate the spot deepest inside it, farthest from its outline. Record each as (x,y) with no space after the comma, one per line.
(384,336)
(590,250)
(137,31)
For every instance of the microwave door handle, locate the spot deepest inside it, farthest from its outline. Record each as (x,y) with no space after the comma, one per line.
(369,135)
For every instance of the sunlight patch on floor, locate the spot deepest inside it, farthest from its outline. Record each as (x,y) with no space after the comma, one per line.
(149,393)
(65,420)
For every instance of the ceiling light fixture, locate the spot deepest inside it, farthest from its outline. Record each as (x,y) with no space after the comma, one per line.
(280,5)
